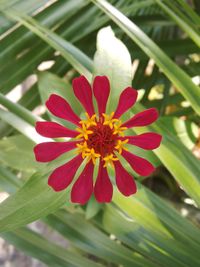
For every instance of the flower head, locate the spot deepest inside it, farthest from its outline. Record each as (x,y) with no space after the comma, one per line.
(96,139)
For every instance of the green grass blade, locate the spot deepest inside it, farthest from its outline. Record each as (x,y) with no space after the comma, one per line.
(85,236)
(13,146)
(20,125)
(38,247)
(181,20)
(165,251)
(19,110)
(73,55)
(8,181)
(178,77)
(176,157)
(22,207)
(189,11)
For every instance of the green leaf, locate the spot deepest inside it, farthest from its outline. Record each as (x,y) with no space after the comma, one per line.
(18,109)
(21,125)
(53,16)
(176,157)
(157,217)
(189,11)
(49,83)
(33,201)
(164,251)
(143,211)
(38,247)
(181,20)
(8,181)
(92,208)
(85,236)
(185,130)
(178,77)
(17,153)
(72,54)
(108,61)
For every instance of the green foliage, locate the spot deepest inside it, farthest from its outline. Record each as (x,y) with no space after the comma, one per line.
(142,230)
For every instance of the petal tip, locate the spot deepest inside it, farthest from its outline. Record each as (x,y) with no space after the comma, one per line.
(54,187)
(160,139)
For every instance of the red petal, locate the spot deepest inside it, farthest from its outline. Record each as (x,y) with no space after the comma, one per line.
(53,130)
(124,180)
(139,165)
(103,188)
(127,99)
(143,118)
(147,141)
(83,187)
(48,151)
(59,107)
(101,89)
(63,175)
(83,92)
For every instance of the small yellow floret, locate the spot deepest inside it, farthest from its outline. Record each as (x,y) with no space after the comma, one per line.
(87,152)
(120,145)
(118,129)
(84,132)
(89,121)
(108,120)
(109,160)
(83,149)
(92,155)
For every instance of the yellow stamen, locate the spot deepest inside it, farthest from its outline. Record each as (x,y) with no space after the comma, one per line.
(108,120)
(118,129)
(109,160)
(120,145)
(91,155)
(83,149)
(89,121)
(84,132)
(87,152)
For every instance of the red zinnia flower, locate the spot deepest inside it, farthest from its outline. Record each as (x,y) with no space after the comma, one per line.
(96,139)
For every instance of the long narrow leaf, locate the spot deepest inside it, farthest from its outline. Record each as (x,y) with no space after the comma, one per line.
(176,15)
(74,56)
(180,79)
(37,246)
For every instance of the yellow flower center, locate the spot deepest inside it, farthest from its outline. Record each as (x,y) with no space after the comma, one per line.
(100,138)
